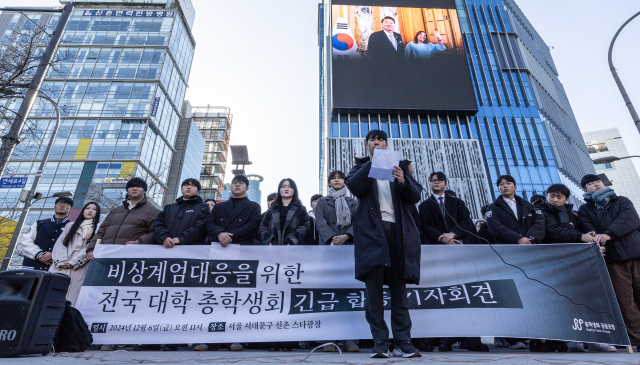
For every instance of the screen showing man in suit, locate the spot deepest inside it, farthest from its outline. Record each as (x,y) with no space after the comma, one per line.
(416,53)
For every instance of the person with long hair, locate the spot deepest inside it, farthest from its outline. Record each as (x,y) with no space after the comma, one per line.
(69,254)
(287,221)
(421,49)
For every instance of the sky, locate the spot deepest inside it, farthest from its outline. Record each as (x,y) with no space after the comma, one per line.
(260,58)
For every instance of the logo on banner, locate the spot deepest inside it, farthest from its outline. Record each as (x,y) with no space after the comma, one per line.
(577,324)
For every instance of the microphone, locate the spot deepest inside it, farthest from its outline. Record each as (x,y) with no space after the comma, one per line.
(377,148)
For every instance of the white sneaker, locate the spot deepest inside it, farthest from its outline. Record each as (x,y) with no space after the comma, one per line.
(397,352)
(601,347)
(575,346)
(518,346)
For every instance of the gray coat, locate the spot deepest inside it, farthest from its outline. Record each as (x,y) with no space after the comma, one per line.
(326,219)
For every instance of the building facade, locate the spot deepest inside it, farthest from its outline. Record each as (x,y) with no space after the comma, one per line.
(120,83)
(187,160)
(622,174)
(524,125)
(214,122)
(254,193)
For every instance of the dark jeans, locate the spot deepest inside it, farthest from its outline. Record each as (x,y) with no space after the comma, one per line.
(625,277)
(374,304)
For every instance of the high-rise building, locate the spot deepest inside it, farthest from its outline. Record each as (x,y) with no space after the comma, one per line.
(214,123)
(522,124)
(622,173)
(120,85)
(187,160)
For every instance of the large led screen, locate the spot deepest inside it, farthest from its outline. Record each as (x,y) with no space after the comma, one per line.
(399,57)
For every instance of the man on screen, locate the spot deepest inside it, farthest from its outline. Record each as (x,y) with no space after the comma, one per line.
(386,45)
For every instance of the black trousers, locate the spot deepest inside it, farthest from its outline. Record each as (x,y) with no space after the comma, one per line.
(374,303)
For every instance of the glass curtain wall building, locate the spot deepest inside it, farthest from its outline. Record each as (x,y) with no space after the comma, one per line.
(524,124)
(214,122)
(120,87)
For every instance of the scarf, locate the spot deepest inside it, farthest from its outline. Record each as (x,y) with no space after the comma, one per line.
(342,208)
(86,228)
(600,198)
(562,212)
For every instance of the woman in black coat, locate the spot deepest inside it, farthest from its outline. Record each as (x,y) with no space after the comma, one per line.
(287,221)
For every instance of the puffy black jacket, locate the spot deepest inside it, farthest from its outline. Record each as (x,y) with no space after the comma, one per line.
(371,250)
(507,229)
(554,230)
(185,219)
(620,221)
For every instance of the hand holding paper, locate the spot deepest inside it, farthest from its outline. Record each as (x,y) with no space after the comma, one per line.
(383,164)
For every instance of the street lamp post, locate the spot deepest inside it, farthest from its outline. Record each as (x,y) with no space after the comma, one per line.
(627,101)
(610,159)
(27,205)
(12,138)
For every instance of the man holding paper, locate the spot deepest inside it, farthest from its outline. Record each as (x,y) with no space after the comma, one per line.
(387,240)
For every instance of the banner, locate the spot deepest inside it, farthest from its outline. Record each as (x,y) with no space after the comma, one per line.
(148,294)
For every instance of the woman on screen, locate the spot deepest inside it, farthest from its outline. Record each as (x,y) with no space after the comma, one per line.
(419,49)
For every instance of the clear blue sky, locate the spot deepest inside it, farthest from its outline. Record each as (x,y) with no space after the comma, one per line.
(260,58)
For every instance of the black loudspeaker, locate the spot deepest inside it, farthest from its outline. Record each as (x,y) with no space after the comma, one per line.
(31,307)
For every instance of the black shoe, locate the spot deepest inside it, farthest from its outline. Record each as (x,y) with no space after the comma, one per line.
(422,344)
(380,350)
(559,346)
(407,349)
(170,348)
(539,346)
(147,348)
(478,348)
(444,348)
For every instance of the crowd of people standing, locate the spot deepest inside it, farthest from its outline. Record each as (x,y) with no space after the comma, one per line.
(385,221)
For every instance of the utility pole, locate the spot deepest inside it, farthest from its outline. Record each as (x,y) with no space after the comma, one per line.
(12,138)
(627,101)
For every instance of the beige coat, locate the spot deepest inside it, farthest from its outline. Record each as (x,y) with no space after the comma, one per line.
(75,254)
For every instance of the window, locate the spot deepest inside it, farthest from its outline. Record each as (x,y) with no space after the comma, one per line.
(602,166)
(597,148)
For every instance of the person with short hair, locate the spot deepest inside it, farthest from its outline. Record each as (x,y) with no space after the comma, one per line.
(211,203)
(38,241)
(183,222)
(561,223)
(128,224)
(536,198)
(513,220)
(69,255)
(312,236)
(421,48)
(386,246)
(386,45)
(617,226)
(450,193)
(484,236)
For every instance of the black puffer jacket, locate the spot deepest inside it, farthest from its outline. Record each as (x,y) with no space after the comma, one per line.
(620,221)
(371,250)
(506,228)
(554,230)
(185,219)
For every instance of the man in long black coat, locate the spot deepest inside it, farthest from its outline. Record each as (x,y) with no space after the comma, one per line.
(237,220)
(387,245)
(617,226)
(183,222)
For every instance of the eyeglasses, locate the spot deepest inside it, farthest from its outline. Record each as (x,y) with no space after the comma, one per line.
(437,180)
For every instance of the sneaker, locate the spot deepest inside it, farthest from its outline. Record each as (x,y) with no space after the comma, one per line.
(407,349)
(147,348)
(478,348)
(601,347)
(444,348)
(518,346)
(575,346)
(235,347)
(201,347)
(559,346)
(497,342)
(422,344)
(109,347)
(351,346)
(329,348)
(538,346)
(380,350)
(170,348)
(396,352)
(303,344)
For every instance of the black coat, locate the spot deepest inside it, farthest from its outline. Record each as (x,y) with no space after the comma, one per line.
(620,221)
(557,232)
(296,226)
(185,219)
(371,250)
(507,229)
(484,236)
(381,49)
(433,224)
(313,237)
(242,222)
